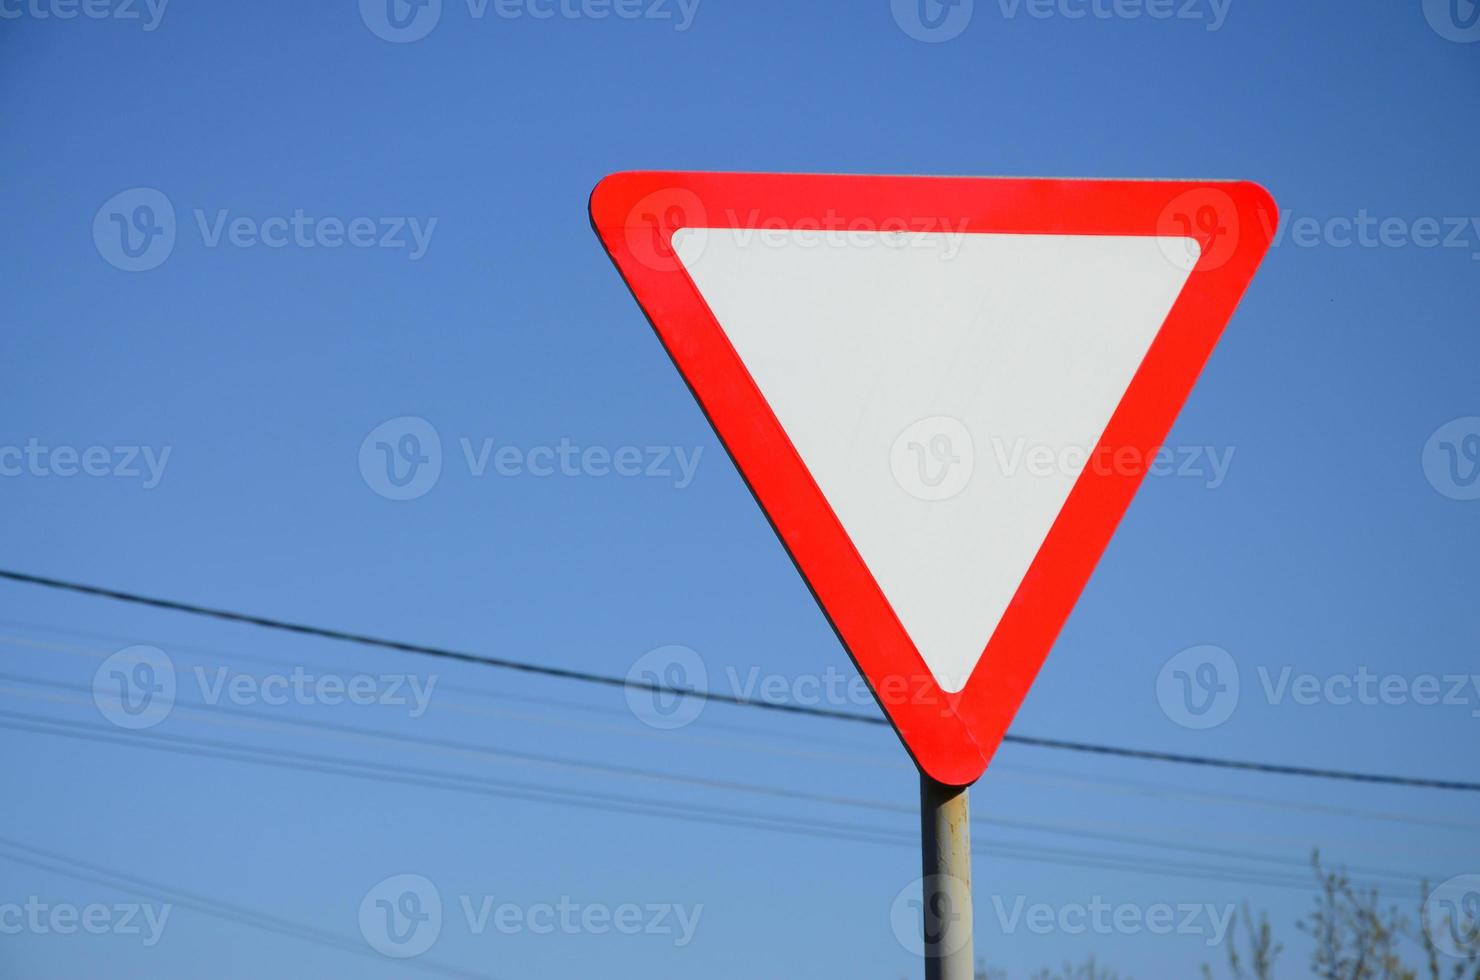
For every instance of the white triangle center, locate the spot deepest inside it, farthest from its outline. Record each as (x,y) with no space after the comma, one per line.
(944,390)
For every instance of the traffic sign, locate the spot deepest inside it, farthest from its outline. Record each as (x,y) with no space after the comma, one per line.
(943,392)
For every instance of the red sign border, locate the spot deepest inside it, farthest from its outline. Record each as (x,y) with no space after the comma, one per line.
(952,737)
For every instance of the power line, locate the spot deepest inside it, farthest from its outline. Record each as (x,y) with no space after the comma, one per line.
(639,806)
(37,857)
(1131,787)
(485,753)
(788,747)
(1264,767)
(483,660)
(459,749)
(562,673)
(1003,770)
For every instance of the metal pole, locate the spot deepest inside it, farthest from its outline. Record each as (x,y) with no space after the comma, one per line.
(945,836)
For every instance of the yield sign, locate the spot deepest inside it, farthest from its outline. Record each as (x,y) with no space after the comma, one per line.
(944,392)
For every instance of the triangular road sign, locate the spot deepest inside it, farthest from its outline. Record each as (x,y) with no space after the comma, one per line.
(944,393)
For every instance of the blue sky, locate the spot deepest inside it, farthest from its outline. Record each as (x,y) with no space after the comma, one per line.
(1334,544)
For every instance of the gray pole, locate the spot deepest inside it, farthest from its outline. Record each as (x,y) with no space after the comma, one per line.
(945,836)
